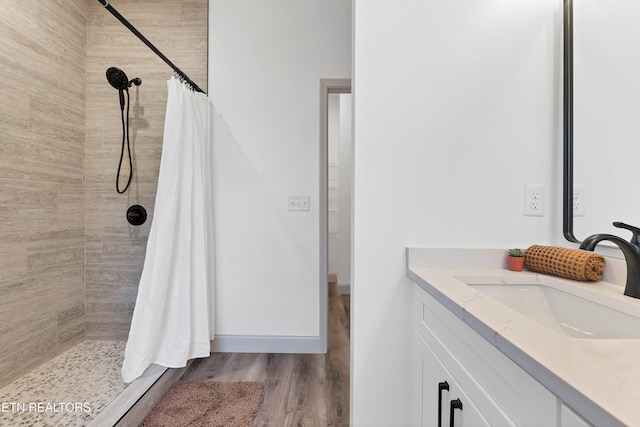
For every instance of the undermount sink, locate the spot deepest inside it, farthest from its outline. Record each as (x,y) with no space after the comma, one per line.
(563,311)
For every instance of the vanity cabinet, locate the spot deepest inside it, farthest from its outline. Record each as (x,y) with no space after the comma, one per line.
(491,388)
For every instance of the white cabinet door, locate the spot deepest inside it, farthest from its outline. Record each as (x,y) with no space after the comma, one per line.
(468,415)
(434,387)
(440,396)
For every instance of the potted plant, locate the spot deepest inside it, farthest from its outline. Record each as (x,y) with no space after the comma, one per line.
(515,257)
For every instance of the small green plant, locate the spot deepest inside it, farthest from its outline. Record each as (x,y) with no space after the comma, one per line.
(515,252)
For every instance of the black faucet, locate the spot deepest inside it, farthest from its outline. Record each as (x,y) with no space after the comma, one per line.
(631,251)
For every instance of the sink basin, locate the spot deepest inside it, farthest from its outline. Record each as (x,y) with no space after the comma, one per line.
(564,312)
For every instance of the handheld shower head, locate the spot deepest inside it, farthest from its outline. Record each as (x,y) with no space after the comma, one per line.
(118,79)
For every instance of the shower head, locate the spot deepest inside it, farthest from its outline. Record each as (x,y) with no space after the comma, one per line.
(117,78)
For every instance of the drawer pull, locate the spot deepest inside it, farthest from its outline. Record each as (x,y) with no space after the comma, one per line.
(441,386)
(455,404)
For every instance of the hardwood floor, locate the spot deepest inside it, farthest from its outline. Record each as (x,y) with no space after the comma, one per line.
(300,389)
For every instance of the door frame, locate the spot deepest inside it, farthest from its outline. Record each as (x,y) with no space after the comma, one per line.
(327,87)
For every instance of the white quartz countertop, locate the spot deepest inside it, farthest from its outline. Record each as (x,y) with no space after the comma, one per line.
(598,378)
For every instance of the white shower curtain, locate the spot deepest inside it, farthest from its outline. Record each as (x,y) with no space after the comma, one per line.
(174,312)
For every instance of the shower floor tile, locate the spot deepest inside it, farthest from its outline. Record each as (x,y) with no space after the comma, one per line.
(69,390)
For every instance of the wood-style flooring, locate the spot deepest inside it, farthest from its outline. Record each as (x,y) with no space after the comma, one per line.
(300,389)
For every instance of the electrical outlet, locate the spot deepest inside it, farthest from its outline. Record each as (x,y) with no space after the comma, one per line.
(298,203)
(578,200)
(534,200)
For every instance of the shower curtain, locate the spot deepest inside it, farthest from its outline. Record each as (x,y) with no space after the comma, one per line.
(173,317)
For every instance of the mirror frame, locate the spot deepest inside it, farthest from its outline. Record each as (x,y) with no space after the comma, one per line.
(567,176)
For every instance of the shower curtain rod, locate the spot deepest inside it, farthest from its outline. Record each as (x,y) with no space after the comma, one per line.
(133,29)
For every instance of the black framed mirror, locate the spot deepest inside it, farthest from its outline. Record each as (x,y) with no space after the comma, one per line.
(567,129)
(602,63)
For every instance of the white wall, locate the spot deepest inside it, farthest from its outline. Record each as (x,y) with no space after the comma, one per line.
(456,109)
(266,60)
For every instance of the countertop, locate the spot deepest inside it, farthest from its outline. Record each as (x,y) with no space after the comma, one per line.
(598,378)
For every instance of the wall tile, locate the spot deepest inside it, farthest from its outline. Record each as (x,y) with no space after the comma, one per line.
(25,156)
(14,110)
(13,252)
(25,58)
(24,205)
(27,346)
(42,131)
(55,115)
(54,248)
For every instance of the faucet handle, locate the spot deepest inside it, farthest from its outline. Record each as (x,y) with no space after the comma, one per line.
(635,230)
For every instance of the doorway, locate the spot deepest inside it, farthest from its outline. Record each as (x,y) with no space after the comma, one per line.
(335,190)
(339,172)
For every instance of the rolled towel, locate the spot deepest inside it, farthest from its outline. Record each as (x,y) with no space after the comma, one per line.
(570,263)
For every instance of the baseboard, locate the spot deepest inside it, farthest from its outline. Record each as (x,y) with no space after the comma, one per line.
(344,288)
(267,344)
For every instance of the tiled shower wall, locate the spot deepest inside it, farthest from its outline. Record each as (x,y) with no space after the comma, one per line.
(69,261)
(42,132)
(114,249)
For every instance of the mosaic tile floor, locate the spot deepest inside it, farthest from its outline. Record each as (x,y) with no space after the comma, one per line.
(69,390)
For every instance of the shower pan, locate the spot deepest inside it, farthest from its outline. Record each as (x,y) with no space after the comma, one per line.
(81,387)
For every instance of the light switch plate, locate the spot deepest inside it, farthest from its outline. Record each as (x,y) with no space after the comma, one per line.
(298,203)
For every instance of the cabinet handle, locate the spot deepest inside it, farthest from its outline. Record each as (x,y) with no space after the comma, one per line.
(455,404)
(441,386)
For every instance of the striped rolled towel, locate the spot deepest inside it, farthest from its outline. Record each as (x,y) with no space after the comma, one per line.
(570,263)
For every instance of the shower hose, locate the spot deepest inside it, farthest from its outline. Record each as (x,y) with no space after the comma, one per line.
(125,138)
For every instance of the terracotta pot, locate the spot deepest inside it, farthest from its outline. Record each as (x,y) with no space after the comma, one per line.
(515,262)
